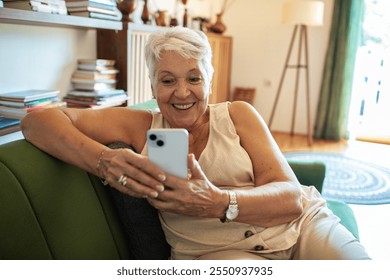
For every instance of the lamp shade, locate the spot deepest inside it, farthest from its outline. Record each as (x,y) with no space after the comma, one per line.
(303,12)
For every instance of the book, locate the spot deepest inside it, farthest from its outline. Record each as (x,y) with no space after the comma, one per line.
(29,104)
(45,6)
(101,100)
(93,75)
(8,125)
(107,2)
(117,17)
(28,95)
(94,86)
(7,122)
(85,4)
(95,93)
(95,102)
(19,113)
(92,9)
(92,81)
(97,62)
(101,69)
(9,129)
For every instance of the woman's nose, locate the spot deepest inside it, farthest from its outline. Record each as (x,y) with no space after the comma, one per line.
(182,89)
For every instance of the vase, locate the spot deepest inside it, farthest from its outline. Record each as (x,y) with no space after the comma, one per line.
(145,13)
(218,27)
(161,18)
(127,7)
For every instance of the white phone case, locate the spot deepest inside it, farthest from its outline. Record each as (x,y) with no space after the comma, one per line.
(168,148)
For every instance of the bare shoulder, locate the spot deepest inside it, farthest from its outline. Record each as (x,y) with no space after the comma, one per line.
(244,114)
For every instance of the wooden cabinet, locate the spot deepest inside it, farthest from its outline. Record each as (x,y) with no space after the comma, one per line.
(126,47)
(222,61)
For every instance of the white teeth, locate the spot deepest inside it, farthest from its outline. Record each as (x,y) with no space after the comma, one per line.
(183,106)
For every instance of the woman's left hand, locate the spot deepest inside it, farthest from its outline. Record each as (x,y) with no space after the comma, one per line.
(196,196)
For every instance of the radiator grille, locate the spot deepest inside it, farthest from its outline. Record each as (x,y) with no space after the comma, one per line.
(138,83)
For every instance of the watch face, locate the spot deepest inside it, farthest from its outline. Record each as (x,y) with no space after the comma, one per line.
(232,212)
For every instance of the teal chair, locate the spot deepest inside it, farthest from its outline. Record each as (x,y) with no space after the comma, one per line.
(313,173)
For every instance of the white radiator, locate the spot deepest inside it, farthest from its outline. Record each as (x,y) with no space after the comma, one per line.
(138,83)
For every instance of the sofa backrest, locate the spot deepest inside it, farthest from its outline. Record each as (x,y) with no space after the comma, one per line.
(53,210)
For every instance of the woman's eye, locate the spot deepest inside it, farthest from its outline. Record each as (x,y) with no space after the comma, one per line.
(195,80)
(168,81)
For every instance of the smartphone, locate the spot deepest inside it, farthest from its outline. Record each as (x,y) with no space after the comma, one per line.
(168,149)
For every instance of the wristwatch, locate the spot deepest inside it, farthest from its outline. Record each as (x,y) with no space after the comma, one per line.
(232,210)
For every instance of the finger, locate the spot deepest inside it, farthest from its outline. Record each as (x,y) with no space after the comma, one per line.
(139,176)
(143,163)
(133,188)
(194,167)
(129,164)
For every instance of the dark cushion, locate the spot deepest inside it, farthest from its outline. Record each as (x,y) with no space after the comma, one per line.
(140,220)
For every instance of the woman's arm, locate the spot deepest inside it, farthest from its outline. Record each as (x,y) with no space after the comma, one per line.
(79,136)
(277,197)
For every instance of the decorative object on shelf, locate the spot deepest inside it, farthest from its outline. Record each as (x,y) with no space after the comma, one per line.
(161,18)
(185,15)
(301,14)
(219,27)
(173,22)
(127,7)
(145,13)
(185,18)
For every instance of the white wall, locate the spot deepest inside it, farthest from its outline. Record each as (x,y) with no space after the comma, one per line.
(260,48)
(41,57)
(45,57)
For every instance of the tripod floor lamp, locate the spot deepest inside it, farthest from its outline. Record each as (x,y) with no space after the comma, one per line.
(302,14)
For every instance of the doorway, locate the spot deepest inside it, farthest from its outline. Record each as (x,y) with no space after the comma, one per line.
(369,115)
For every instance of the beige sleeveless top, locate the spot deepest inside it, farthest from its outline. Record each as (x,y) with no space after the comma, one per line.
(226,163)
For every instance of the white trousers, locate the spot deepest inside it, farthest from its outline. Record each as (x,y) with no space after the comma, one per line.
(323,238)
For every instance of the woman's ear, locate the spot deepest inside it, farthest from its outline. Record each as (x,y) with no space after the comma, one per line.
(211,88)
(153,92)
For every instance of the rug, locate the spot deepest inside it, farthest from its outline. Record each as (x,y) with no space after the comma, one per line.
(350,180)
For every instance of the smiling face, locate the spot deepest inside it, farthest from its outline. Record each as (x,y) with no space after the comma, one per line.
(180,90)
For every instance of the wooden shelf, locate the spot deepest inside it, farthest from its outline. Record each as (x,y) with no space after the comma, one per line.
(15,16)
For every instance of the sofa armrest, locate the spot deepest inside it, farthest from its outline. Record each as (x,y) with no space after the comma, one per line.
(313,173)
(309,173)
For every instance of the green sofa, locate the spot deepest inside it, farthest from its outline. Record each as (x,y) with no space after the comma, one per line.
(52,210)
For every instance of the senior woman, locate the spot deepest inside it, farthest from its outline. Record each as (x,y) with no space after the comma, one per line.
(234,164)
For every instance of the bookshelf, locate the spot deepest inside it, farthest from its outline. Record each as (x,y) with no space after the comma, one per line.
(24,17)
(15,16)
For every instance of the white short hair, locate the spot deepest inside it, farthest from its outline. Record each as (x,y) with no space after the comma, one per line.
(188,43)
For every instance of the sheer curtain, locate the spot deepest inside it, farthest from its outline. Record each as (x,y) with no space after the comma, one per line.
(332,112)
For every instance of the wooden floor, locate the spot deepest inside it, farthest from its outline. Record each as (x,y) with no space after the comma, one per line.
(373,220)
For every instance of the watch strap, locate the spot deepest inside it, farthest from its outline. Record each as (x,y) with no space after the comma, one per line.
(232,204)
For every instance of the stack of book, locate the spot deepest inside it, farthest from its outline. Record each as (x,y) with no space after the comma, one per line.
(18,104)
(101,9)
(8,125)
(45,6)
(94,85)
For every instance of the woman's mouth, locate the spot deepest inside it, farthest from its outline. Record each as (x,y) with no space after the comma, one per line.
(183,106)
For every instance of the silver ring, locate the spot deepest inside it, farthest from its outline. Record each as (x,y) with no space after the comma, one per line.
(122,180)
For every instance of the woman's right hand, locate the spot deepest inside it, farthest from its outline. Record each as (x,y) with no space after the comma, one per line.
(131,173)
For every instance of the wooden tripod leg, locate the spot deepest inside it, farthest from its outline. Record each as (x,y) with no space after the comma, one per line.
(282,77)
